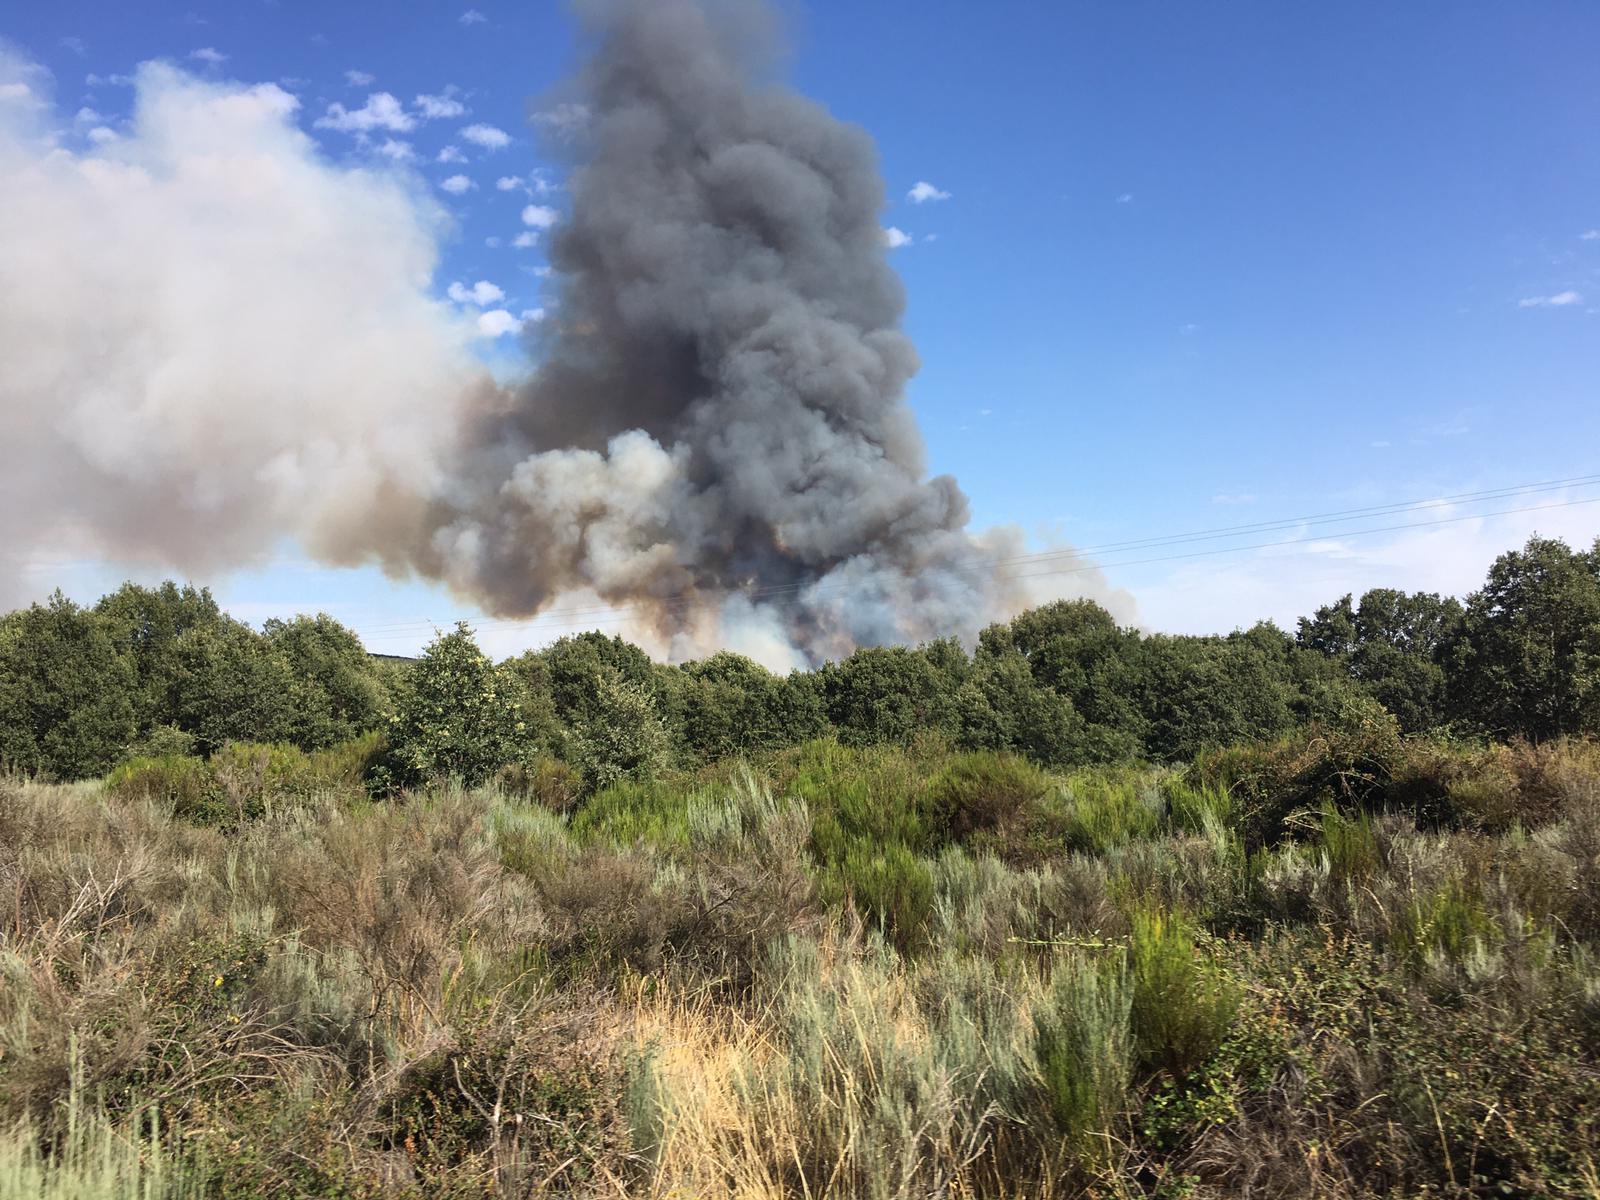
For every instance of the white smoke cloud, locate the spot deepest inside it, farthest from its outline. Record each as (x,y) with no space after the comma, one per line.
(210,337)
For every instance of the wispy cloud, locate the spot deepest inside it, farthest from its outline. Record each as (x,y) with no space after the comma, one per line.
(451,154)
(359,78)
(396,149)
(563,120)
(209,55)
(487,136)
(922,191)
(1589,235)
(525,240)
(1559,300)
(473,17)
(1125,198)
(75,44)
(381,111)
(435,107)
(1232,498)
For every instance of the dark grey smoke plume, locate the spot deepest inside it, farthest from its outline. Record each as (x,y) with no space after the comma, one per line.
(212,337)
(719,414)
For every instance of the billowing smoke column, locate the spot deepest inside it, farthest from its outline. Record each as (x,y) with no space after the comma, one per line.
(212,338)
(726,377)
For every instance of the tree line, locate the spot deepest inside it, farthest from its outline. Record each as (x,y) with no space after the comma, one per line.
(163,671)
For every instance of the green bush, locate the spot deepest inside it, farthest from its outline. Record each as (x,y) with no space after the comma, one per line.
(621,734)
(1105,811)
(888,884)
(457,717)
(984,792)
(652,812)
(858,795)
(546,781)
(346,765)
(1196,809)
(1350,843)
(1083,1042)
(182,781)
(1183,1003)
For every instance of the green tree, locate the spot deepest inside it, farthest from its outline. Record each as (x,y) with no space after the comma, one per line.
(1076,649)
(146,624)
(1199,693)
(67,697)
(232,686)
(887,693)
(1002,707)
(457,715)
(620,735)
(1392,644)
(343,690)
(1527,660)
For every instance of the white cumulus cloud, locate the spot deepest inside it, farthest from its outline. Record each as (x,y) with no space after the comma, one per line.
(433,108)
(458,185)
(497,322)
(209,55)
(526,239)
(381,111)
(482,293)
(922,191)
(540,216)
(895,238)
(451,154)
(396,149)
(487,136)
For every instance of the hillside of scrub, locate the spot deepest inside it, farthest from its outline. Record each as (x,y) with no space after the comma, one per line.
(1343,963)
(1080,912)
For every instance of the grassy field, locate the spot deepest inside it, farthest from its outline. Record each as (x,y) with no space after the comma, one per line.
(1339,965)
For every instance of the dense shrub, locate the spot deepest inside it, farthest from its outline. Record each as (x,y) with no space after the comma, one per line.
(983,793)
(182,781)
(66,697)
(620,734)
(457,715)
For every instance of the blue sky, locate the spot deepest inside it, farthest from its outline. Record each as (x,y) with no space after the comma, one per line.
(1189,266)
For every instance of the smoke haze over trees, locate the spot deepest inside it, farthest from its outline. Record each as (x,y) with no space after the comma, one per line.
(153,670)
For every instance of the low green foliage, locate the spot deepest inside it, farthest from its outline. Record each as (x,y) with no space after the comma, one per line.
(1084,1045)
(1183,1002)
